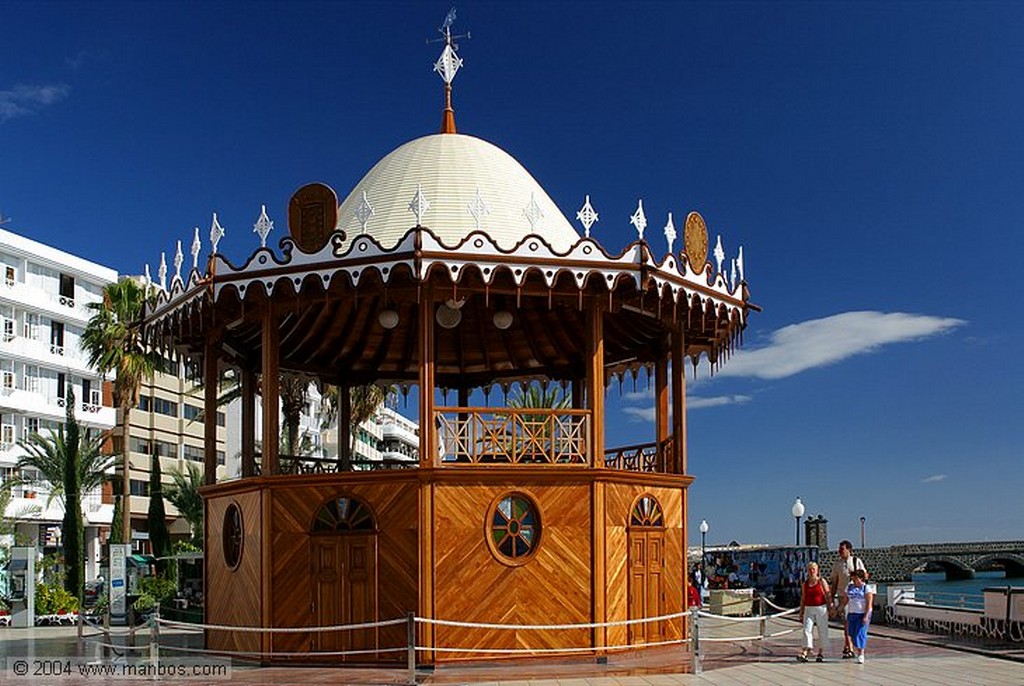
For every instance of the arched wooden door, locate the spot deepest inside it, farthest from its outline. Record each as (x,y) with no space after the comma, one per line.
(646,541)
(344,576)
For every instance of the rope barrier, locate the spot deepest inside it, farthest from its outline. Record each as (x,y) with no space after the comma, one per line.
(252,653)
(541,627)
(759,618)
(280,630)
(544,651)
(116,646)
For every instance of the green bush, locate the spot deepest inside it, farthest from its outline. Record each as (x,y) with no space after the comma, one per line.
(153,590)
(52,599)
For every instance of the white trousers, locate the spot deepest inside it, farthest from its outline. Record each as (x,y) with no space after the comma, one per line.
(816,614)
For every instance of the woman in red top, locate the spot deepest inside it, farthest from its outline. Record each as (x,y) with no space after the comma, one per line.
(693,593)
(814,602)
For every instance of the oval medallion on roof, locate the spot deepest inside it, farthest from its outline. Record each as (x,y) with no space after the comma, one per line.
(453,184)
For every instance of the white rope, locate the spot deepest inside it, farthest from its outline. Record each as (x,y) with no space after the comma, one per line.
(540,627)
(281,630)
(779,607)
(543,651)
(730,639)
(314,653)
(760,618)
(118,647)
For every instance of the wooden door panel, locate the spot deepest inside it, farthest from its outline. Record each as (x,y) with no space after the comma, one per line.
(327,597)
(646,576)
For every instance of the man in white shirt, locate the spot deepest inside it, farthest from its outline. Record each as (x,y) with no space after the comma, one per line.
(839,580)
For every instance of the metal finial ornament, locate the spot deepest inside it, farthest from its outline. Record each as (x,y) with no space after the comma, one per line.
(670,232)
(587,216)
(448,64)
(147,277)
(533,213)
(419,205)
(719,253)
(162,272)
(263,226)
(178,259)
(363,211)
(739,264)
(216,232)
(478,208)
(639,219)
(732,272)
(196,247)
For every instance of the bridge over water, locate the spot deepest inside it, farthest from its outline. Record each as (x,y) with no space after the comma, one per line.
(958,560)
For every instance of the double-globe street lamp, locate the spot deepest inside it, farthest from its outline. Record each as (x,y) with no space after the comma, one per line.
(798,512)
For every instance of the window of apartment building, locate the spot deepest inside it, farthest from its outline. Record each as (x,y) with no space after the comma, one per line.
(193,452)
(165,407)
(7,382)
(67,290)
(10,275)
(139,487)
(142,446)
(57,338)
(191,412)
(31,328)
(146,403)
(221,457)
(31,427)
(61,388)
(9,330)
(30,379)
(167,365)
(6,434)
(221,419)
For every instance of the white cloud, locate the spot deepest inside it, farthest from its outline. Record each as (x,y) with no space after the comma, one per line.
(934,478)
(647,414)
(23,100)
(821,342)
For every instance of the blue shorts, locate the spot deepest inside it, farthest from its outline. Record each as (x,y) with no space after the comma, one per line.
(857,629)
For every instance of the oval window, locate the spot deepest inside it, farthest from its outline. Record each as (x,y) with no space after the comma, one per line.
(232,532)
(513,528)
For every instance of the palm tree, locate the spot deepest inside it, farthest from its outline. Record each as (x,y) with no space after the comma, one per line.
(71,462)
(113,341)
(184,495)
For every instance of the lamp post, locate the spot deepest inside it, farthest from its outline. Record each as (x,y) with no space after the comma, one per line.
(862,520)
(703,535)
(798,512)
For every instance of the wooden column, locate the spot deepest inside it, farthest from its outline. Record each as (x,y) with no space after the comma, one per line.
(271,393)
(210,410)
(679,398)
(595,380)
(428,438)
(345,428)
(248,379)
(594,383)
(661,418)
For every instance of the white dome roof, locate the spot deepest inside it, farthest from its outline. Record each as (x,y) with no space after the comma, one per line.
(450,168)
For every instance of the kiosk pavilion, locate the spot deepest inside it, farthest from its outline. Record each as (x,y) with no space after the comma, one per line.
(448,267)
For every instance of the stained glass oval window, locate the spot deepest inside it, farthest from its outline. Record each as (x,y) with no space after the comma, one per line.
(514,528)
(232,533)
(647,512)
(344,514)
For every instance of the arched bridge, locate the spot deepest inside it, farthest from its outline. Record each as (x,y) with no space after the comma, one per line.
(958,560)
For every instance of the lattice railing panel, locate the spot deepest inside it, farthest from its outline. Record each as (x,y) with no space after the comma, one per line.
(513,436)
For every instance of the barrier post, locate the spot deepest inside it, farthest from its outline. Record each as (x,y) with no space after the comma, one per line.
(410,634)
(78,643)
(695,634)
(154,642)
(764,620)
(106,634)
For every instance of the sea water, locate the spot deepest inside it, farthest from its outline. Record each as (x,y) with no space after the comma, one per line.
(948,592)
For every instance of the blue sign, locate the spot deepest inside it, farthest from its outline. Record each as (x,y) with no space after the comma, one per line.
(117,583)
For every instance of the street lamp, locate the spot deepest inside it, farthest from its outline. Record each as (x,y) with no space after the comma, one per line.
(862,520)
(798,512)
(703,534)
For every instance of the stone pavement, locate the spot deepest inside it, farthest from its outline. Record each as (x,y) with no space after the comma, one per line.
(892,661)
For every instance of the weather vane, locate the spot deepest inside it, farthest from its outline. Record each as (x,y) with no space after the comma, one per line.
(447,66)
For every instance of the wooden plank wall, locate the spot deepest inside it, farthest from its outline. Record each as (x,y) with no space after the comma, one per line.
(234,597)
(293,508)
(470,584)
(619,498)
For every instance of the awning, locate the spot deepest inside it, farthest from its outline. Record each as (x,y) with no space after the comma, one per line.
(18,565)
(141,560)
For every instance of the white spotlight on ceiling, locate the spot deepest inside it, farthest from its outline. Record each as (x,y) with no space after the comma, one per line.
(388,318)
(503,319)
(448,317)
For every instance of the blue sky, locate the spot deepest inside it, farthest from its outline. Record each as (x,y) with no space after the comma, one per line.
(868,157)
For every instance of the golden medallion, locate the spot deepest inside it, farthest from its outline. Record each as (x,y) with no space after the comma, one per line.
(695,240)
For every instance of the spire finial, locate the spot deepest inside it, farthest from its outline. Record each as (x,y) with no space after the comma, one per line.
(447,66)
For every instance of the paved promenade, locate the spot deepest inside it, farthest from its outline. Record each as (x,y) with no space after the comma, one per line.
(891,661)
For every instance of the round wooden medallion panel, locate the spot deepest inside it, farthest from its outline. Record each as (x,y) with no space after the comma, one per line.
(695,240)
(233,532)
(312,216)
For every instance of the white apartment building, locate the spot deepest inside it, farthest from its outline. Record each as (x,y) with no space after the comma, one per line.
(386,437)
(44,297)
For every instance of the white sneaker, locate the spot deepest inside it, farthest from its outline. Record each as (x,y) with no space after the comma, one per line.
(860,659)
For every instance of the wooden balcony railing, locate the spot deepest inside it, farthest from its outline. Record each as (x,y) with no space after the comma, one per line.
(512,436)
(645,457)
(329,465)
